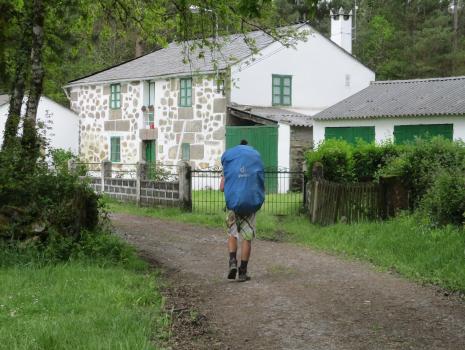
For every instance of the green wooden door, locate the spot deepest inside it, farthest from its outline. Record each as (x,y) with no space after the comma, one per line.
(408,133)
(150,157)
(265,140)
(351,134)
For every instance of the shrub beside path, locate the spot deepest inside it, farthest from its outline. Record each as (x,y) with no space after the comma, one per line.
(298,298)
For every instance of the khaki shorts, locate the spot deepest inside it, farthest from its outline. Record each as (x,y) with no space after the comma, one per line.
(245,225)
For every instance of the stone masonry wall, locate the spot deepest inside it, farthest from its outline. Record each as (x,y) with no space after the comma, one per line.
(97,122)
(202,125)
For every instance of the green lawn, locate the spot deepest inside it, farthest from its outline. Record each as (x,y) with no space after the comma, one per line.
(426,255)
(422,254)
(79,305)
(211,201)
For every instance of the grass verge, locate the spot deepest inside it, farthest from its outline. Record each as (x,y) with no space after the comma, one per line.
(422,254)
(86,303)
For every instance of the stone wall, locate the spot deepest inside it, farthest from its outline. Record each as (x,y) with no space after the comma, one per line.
(159,193)
(97,122)
(202,125)
(301,142)
(175,192)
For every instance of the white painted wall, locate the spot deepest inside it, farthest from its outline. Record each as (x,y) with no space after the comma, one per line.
(284,145)
(384,127)
(318,68)
(64,126)
(284,154)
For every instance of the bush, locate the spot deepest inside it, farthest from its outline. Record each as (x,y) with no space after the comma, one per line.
(336,158)
(420,162)
(369,158)
(444,202)
(426,167)
(60,158)
(97,247)
(40,202)
(344,162)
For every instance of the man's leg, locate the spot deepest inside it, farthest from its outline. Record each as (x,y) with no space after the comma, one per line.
(232,245)
(247,228)
(246,248)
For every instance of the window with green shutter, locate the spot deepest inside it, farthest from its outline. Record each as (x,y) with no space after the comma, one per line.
(351,134)
(408,133)
(115,149)
(185,151)
(185,93)
(115,96)
(282,90)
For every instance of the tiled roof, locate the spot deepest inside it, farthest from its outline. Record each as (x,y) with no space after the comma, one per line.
(4,99)
(395,98)
(278,115)
(172,60)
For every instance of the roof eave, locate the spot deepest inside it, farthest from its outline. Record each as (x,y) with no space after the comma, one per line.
(154,77)
(429,115)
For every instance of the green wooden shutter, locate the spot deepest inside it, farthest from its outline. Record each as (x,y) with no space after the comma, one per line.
(408,133)
(286,90)
(281,90)
(185,92)
(115,150)
(276,90)
(351,134)
(115,96)
(185,151)
(151,94)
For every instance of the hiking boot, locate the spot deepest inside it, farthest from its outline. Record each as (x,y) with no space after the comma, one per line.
(232,269)
(243,276)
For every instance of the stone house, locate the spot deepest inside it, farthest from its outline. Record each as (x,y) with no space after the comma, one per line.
(165,107)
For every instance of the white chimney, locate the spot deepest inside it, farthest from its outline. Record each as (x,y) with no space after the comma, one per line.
(341,29)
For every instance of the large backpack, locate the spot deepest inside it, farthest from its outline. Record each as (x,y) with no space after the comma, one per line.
(244,187)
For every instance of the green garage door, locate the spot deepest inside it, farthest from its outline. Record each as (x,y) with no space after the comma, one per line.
(265,140)
(408,133)
(351,134)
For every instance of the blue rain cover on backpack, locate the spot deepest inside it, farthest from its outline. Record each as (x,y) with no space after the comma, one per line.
(244,187)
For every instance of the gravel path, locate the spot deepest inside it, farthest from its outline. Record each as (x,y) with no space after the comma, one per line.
(298,298)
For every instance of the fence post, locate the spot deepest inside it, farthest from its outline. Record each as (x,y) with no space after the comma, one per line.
(141,174)
(106,172)
(185,186)
(72,166)
(315,202)
(394,196)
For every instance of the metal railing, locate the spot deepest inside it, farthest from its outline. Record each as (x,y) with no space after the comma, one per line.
(149,120)
(285,192)
(124,171)
(88,169)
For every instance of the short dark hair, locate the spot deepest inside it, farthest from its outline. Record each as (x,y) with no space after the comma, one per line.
(244,142)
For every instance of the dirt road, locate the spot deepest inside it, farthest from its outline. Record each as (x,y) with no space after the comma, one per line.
(297,299)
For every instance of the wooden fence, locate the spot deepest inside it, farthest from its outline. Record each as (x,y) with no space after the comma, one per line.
(329,202)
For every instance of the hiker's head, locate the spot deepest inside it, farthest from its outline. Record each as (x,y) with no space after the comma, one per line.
(244,142)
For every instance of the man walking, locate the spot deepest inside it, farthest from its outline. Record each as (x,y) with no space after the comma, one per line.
(244,190)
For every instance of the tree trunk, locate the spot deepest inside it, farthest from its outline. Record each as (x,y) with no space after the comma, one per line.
(17,91)
(29,141)
(139,49)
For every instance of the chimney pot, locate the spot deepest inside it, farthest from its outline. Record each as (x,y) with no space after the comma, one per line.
(341,29)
